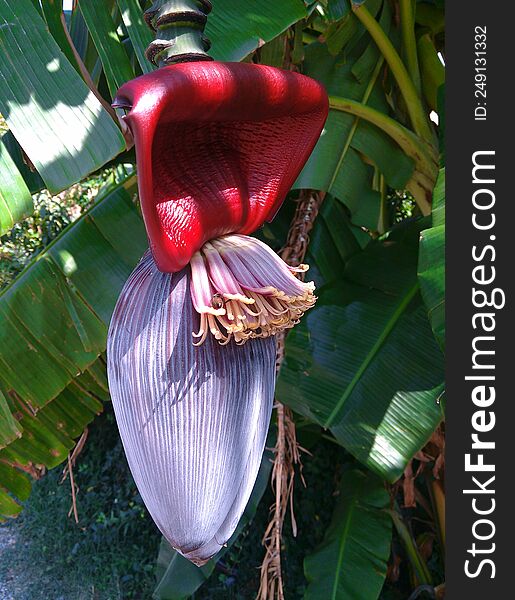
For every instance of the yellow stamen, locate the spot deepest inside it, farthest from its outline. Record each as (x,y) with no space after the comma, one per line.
(247,314)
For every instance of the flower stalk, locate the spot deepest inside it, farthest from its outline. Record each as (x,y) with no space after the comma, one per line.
(179,27)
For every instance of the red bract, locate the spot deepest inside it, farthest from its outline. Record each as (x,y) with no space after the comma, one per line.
(218,146)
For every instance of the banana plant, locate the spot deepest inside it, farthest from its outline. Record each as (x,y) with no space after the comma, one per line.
(365,363)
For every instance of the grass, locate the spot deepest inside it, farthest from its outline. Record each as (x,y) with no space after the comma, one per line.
(109,555)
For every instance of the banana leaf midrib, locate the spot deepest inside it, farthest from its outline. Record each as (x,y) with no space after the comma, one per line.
(344,539)
(390,325)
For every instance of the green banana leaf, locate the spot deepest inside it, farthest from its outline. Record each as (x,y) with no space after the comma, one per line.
(9,427)
(103,31)
(32,178)
(337,9)
(344,28)
(178,577)
(58,121)
(15,199)
(430,15)
(139,33)
(431,265)
(364,363)
(351,561)
(53,326)
(54,316)
(237,28)
(52,11)
(44,438)
(431,68)
(333,241)
(78,31)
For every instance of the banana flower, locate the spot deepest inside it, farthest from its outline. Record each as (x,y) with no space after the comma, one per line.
(191,345)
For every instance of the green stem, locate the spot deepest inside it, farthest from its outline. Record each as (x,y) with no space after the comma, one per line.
(409,43)
(422,153)
(179,27)
(419,566)
(414,105)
